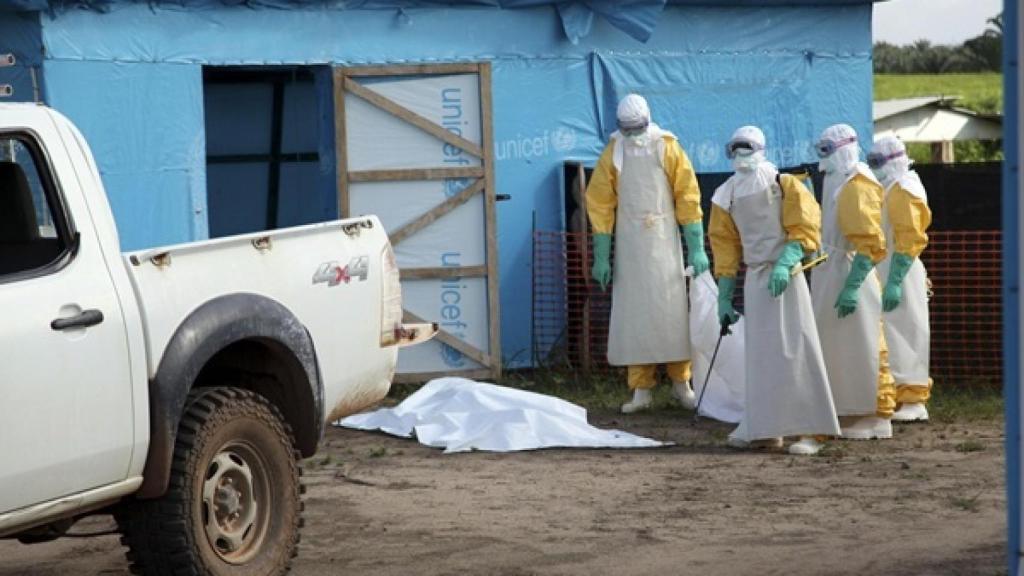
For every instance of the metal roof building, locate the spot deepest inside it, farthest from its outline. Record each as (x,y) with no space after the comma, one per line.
(934,120)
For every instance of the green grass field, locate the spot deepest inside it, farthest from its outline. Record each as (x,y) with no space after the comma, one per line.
(979,92)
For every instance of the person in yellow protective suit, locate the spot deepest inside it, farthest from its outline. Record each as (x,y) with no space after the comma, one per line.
(770,220)
(905,220)
(845,289)
(644,190)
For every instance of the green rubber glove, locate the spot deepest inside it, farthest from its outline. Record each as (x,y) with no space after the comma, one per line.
(846,304)
(792,252)
(693,233)
(727,315)
(898,269)
(602,270)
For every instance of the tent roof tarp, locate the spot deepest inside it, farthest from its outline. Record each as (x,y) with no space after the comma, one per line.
(637,18)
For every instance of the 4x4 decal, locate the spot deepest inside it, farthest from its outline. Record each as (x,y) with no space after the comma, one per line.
(333,273)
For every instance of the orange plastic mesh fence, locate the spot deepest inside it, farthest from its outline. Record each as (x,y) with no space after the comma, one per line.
(966,308)
(571,313)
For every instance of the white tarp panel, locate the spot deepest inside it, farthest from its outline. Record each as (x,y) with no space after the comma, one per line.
(378,140)
(724,399)
(460,415)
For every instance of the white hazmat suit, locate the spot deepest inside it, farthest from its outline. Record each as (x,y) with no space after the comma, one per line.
(770,221)
(846,292)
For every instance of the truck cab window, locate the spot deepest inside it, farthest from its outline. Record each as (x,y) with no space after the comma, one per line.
(29,238)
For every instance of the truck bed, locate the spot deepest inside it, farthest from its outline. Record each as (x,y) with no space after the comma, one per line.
(303,268)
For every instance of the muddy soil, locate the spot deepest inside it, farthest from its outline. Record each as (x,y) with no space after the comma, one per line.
(929,502)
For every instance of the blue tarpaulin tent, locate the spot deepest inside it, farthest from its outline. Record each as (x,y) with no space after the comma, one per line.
(135,77)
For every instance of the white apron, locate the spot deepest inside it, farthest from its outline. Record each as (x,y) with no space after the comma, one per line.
(787,390)
(907,332)
(649,322)
(851,345)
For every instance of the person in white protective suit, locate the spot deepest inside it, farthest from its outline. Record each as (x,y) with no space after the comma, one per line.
(770,220)
(905,220)
(644,190)
(845,290)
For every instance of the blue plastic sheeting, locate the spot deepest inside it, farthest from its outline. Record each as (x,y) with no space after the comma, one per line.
(704,100)
(23,5)
(144,123)
(634,17)
(792,71)
(637,18)
(259,37)
(21,36)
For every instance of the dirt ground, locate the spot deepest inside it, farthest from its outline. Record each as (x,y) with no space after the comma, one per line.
(929,502)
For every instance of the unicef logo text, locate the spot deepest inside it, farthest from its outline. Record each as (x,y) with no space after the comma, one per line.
(560,140)
(563,139)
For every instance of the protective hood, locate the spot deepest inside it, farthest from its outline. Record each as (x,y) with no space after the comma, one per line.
(751,134)
(761,179)
(754,137)
(633,111)
(895,167)
(911,182)
(844,159)
(653,133)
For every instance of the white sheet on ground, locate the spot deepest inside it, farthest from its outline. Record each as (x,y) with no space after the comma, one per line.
(726,388)
(460,415)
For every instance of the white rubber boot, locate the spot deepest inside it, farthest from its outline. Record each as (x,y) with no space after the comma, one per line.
(683,392)
(869,428)
(911,412)
(641,401)
(806,446)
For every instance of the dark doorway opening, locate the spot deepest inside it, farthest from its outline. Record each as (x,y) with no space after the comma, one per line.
(269,147)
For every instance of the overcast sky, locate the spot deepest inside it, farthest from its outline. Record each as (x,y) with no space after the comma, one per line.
(941,21)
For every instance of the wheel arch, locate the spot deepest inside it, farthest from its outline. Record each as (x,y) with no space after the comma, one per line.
(254,342)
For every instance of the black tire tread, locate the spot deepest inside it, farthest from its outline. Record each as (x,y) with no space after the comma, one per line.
(156,531)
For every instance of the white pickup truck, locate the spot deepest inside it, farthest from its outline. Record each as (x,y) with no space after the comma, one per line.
(177,387)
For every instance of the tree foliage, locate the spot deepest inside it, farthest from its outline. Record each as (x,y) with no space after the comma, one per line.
(982,53)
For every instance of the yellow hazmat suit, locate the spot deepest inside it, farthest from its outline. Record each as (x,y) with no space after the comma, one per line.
(769,220)
(642,190)
(905,299)
(854,346)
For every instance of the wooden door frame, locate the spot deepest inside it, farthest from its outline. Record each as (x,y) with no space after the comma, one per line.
(345,81)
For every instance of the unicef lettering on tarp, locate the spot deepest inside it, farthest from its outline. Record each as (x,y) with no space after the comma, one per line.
(377,140)
(558,141)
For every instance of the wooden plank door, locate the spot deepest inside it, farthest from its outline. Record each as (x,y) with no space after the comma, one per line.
(415,147)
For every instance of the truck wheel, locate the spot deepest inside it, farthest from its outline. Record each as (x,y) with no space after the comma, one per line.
(233,505)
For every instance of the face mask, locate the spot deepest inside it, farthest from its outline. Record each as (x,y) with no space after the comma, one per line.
(838,163)
(825,164)
(745,162)
(637,133)
(880,174)
(639,139)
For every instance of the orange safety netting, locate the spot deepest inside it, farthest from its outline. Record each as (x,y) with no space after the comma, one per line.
(570,312)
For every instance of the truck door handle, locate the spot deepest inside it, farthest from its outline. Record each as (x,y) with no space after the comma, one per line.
(84,320)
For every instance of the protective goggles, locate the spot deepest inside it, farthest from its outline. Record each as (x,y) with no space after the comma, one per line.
(630,130)
(826,148)
(876,159)
(741,148)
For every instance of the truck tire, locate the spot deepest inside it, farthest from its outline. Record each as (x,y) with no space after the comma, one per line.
(233,505)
